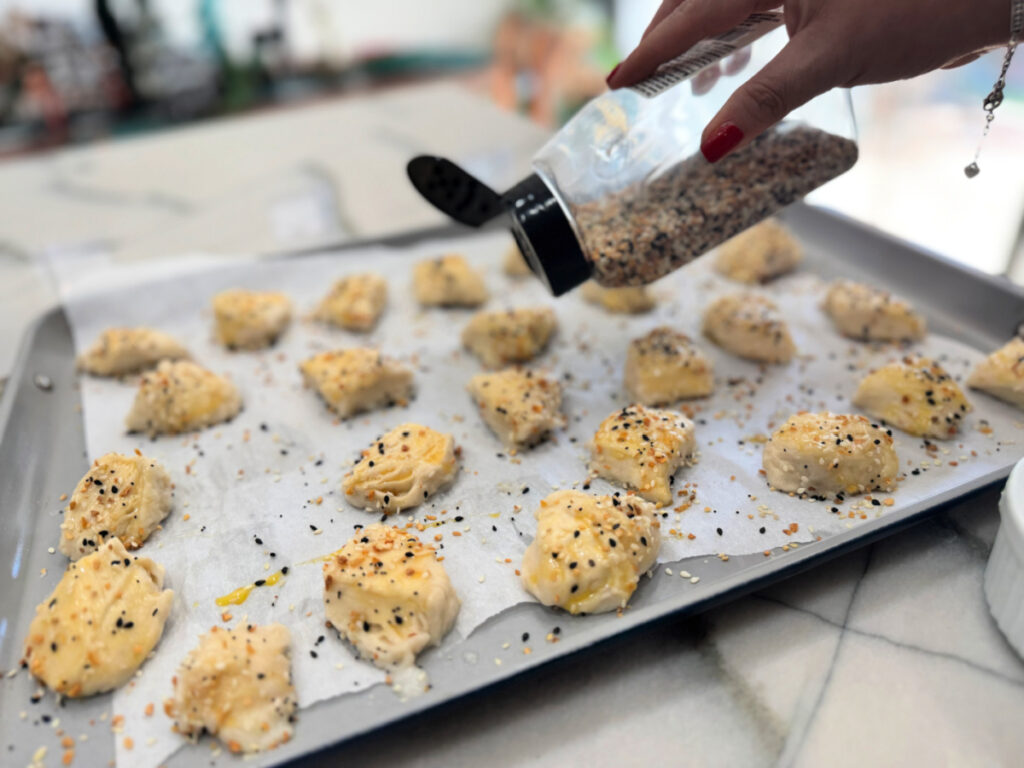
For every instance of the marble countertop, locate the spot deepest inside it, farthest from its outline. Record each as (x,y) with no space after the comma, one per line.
(887,656)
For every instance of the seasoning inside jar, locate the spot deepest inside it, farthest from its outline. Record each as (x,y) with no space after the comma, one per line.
(649,228)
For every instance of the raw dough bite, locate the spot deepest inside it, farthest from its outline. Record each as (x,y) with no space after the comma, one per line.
(448,281)
(237,685)
(182,396)
(629,299)
(590,551)
(749,326)
(514,264)
(665,366)
(354,302)
(401,469)
(1001,374)
(520,407)
(915,395)
(388,595)
(98,625)
(120,496)
(641,448)
(250,319)
(820,454)
(509,336)
(870,314)
(355,380)
(118,351)
(762,253)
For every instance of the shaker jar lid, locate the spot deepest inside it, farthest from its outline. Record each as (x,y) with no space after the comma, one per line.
(543,229)
(454,191)
(541,224)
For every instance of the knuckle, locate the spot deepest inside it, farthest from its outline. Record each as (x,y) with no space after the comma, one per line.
(767,100)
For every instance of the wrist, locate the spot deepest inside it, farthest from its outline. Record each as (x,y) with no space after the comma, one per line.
(993,17)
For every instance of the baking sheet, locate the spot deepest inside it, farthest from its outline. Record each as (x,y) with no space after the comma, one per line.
(275,496)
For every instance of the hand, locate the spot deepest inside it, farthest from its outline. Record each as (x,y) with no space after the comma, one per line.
(833,43)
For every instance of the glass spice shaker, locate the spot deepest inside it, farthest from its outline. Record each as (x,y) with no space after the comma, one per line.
(622,195)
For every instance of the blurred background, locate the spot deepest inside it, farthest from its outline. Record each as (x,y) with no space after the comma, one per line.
(74,73)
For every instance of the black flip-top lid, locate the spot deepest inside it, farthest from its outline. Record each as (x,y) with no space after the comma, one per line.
(453,191)
(545,235)
(539,222)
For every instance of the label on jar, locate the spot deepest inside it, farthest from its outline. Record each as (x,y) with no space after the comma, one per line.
(707,52)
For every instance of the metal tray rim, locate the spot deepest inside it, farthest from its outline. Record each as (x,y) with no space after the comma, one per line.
(702,597)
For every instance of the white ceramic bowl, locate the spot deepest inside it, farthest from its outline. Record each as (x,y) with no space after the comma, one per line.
(1004,576)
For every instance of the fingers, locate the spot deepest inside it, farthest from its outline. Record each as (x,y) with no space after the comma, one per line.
(795,76)
(666,7)
(683,26)
(735,63)
(705,80)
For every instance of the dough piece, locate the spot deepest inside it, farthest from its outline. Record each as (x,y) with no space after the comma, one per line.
(821,454)
(665,366)
(237,685)
(509,336)
(448,281)
(514,264)
(182,396)
(120,496)
(641,448)
(355,380)
(749,326)
(762,253)
(387,594)
(118,351)
(249,319)
(1001,374)
(629,300)
(590,551)
(97,627)
(520,407)
(355,302)
(871,314)
(401,469)
(915,395)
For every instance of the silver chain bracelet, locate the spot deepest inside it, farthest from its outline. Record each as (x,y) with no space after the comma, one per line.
(995,98)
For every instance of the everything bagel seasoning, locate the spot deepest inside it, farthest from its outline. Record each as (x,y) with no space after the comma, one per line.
(649,228)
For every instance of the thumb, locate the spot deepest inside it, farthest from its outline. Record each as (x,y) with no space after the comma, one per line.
(795,76)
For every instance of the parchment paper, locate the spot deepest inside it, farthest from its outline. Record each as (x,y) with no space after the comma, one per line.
(274,473)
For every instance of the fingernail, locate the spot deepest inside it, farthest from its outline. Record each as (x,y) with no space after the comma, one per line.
(721,142)
(612,74)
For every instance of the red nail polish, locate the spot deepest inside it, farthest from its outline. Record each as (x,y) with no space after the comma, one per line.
(612,74)
(721,142)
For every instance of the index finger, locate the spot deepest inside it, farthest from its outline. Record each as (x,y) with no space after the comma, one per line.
(666,7)
(685,26)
